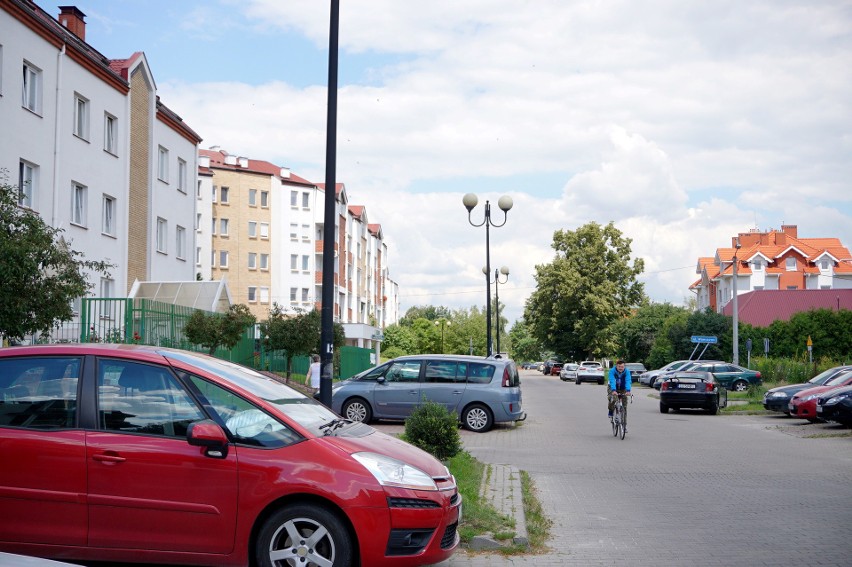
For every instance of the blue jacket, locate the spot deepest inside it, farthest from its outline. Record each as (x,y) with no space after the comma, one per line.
(619,382)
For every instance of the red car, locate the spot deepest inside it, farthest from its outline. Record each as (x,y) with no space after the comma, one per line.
(803,404)
(125,453)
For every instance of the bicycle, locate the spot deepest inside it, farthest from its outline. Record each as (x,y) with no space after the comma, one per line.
(619,416)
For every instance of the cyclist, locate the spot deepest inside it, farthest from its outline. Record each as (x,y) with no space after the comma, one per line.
(619,383)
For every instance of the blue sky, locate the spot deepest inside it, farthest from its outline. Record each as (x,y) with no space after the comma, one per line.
(685,122)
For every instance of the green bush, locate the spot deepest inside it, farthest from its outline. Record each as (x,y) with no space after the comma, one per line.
(434,429)
(790,371)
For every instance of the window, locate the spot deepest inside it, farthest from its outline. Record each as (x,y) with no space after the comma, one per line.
(293,292)
(163,165)
(294,198)
(198,189)
(213,226)
(444,371)
(143,398)
(223,259)
(39,393)
(224,196)
(107,287)
(27,184)
(791,265)
(306,232)
(198,255)
(110,134)
(757,265)
(824,265)
(294,231)
(264,230)
(252,196)
(479,373)
(180,243)
(758,287)
(264,261)
(264,295)
(306,200)
(252,294)
(181,175)
(223,227)
(31,91)
(212,258)
(78,204)
(408,371)
(294,262)
(252,260)
(215,193)
(264,199)
(162,234)
(252,229)
(81,117)
(305,294)
(305,262)
(108,216)
(198,222)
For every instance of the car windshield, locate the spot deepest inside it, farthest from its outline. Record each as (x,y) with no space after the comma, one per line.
(839,379)
(821,377)
(305,411)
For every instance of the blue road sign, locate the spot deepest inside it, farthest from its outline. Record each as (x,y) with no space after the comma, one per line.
(704,340)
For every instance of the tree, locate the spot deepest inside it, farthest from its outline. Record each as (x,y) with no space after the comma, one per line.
(297,335)
(430,312)
(525,347)
(399,340)
(212,330)
(588,286)
(41,275)
(636,335)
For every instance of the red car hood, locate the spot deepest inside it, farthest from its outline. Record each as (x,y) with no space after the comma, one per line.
(821,389)
(383,444)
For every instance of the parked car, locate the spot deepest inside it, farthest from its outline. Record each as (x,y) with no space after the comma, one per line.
(127,453)
(836,405)
(648,377)
(730,376)
(481,391)
(568,372)
(803,404)
(556,368)
(547,366)
(692,390)
(778,399)
(590,371)
(636,369)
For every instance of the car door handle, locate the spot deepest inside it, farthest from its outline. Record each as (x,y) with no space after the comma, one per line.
(108,458)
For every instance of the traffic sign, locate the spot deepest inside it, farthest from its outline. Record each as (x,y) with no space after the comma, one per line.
(704,340)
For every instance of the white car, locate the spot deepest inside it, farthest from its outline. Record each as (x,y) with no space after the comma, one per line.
(568,372)
(590,371)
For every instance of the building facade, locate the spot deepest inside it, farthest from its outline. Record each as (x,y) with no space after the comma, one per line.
(771,260)
(93,150)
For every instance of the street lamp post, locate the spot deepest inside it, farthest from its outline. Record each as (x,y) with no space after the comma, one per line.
(504,271)
(735,307)
(505,203)
(442,322)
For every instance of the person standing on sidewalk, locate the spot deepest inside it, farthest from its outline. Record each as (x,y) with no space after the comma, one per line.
(619,383)
(312,380)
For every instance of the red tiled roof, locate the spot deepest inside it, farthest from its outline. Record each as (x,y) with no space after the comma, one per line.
(761,307)
(217,160)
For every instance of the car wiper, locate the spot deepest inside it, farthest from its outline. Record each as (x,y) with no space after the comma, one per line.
(333,425)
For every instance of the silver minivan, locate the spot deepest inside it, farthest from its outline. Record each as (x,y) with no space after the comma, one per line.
(481,391)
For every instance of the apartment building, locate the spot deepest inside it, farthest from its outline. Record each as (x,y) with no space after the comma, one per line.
(266,229)
(771,260)
(93,150)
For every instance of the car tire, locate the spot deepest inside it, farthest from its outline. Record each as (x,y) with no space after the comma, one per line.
(714,409)
(664,408)
(578,381)
(600,382)
(739,386)
(323,539)
(357,409)
(477,418)
(651,382)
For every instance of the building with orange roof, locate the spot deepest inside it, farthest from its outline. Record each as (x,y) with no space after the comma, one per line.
(772,260)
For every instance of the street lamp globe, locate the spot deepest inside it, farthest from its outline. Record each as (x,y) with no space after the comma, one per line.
(504,270)
(505,203)
(470,200)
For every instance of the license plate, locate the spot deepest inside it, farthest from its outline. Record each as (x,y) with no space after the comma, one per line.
(689,386)
(819,409)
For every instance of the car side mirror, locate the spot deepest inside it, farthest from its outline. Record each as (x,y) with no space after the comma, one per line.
(380,379)
(208,434)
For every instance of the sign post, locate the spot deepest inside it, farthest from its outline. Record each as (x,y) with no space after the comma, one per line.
(748,350)
(702,340)
(810,350)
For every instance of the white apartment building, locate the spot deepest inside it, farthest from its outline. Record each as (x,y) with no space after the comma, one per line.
(93,150)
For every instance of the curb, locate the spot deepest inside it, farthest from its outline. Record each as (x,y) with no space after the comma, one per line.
(502,489)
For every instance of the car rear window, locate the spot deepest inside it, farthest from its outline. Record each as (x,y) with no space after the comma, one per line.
(480,373)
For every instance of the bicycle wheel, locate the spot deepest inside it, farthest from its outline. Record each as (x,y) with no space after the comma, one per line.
(614,420)
(623,421)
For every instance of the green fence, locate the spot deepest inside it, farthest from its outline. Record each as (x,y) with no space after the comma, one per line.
(147,322)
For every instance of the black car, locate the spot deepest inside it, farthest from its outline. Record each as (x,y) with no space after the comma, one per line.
(692,390)
(778,399)
(836,405)
(636,369)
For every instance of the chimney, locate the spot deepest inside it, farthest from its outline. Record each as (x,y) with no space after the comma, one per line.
(243,161)
(72,19)
(230,160)
(285,173)
(791,230)
(204,161)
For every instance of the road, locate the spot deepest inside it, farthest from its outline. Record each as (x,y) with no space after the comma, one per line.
(682,489)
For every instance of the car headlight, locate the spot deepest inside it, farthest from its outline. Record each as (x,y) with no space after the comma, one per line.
(836,399)
(392,472)
(811,397)
(776,395)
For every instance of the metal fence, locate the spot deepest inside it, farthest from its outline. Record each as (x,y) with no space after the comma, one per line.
(148,322)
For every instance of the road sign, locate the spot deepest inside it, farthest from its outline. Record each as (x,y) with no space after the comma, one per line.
(704,340)
(765,345)
(748,345)
(810,342)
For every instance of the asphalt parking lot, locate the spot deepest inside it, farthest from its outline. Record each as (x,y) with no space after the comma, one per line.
(683,488)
